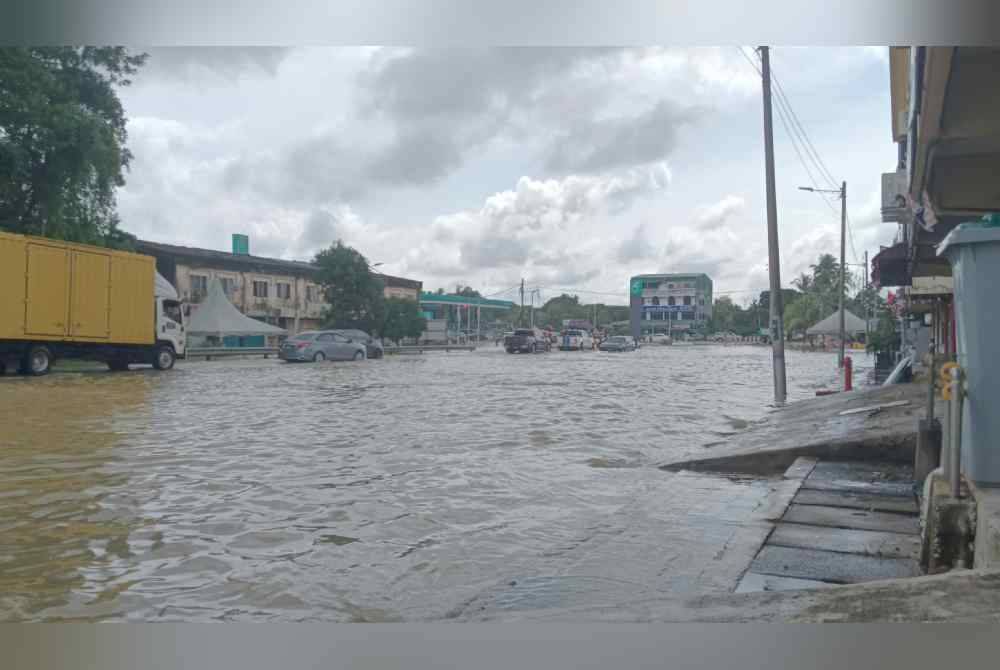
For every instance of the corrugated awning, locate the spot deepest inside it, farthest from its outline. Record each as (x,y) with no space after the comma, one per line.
(890,266)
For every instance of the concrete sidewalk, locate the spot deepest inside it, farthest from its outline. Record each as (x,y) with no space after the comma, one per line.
(848,522)
(965,596)
(816,428)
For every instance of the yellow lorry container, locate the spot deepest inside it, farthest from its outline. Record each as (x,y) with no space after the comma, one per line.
(76,299)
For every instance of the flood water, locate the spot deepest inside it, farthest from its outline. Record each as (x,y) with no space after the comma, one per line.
(391,490)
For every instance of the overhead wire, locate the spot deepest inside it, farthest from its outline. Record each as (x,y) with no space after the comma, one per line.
(817,159)
(798,135)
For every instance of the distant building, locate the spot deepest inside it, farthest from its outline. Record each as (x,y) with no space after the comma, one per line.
(458,318)
(280,292)
(662,303)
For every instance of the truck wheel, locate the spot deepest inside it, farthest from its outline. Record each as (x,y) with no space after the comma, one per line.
(38,361)
(164,358)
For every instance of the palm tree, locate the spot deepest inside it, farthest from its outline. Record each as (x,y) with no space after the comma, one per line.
(804,282)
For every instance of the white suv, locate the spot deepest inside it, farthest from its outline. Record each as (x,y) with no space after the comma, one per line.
(574,339)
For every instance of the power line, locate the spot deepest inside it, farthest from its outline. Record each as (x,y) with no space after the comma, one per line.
(797,134)
(817,159)
(809,145)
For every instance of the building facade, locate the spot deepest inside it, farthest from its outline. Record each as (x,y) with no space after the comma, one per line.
(669,303)
(948,136)
(280,292)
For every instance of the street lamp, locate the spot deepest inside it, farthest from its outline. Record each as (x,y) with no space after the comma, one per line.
(842,193)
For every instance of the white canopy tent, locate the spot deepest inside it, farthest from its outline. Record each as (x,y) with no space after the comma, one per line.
(164,289)
(217,317)
(831,325)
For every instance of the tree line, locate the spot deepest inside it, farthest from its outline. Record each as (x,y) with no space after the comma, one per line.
(815,296)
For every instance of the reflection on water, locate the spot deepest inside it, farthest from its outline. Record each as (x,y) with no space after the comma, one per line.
(388,490)
(58,440)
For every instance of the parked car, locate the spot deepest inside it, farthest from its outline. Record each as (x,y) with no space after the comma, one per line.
(373,347)
(573,339)
(618,343)
(322,345)
(526,340)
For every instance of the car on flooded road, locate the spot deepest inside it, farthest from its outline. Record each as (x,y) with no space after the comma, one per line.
(321,345)
(526,340)
(574,339)
(373,347)
(618,343)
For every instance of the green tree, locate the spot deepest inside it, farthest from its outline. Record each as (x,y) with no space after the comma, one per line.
(802,313)
(353,292)
(884,338)
(467,292)
(825,284)
(62,141)
(724,314)
(402,319)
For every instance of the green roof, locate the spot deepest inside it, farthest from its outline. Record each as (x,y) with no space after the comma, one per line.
(435,299)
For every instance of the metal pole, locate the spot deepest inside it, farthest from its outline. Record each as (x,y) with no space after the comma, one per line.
(955,450)
(520,316)
(867,301)
(930,385)
(773,258)
(843,268)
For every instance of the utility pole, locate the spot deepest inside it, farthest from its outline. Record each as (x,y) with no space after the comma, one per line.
(773,258)
(843,268)
(867,300)
(521,315)
(842,194)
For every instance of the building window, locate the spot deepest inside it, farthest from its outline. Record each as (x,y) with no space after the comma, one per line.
(656,301)
(670,285)
(260,289)
(283,290)
(199,286)
(687,300)
(701,301)
(228,285)
(671,301)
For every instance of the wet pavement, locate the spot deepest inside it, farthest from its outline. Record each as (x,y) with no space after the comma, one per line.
(398,489)
(849,522)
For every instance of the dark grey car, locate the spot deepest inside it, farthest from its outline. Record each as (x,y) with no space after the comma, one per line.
(322,345)
(373,347)
(618,343)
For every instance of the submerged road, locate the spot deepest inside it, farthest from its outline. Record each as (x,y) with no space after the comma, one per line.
(410,488)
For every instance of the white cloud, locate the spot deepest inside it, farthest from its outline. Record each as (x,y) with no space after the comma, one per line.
(417,158)
(549,229)
(710,217)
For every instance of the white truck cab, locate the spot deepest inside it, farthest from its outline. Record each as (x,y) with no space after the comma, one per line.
(575,339)
(170,329)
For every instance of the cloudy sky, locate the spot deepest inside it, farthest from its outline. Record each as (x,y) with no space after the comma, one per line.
(571,168)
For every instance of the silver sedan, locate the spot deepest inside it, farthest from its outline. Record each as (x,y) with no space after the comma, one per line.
(322,345)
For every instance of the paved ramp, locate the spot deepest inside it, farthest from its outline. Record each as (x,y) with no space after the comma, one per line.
(849,522)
